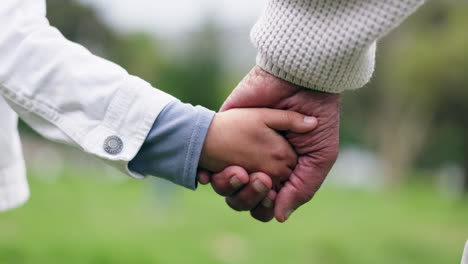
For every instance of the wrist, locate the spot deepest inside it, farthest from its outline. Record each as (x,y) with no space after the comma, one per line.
(208,158)
(173,146)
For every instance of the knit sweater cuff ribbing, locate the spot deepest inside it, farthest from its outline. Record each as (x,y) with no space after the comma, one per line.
(270,67)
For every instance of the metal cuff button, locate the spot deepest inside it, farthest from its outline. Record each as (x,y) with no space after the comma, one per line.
(113,145)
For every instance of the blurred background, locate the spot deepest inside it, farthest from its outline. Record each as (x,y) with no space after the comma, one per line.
(398,193)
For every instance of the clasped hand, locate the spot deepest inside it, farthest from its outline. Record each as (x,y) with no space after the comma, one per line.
(271,146)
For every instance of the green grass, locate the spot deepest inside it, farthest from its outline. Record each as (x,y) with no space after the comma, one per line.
(92,220)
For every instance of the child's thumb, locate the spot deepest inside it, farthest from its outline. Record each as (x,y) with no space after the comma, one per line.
(290,121)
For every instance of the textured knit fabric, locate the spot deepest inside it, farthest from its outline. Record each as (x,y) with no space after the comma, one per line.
(326,45)
(173,146)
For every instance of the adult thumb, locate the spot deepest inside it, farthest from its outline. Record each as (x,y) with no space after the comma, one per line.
(289,121)
(305,181)
(297,191)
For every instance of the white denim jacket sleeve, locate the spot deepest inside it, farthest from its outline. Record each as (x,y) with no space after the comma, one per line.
(465,255)
(69,95)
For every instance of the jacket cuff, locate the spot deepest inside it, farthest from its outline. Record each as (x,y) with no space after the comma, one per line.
(174,144)
(128,119)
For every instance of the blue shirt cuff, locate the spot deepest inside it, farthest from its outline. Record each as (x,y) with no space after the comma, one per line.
(173,146)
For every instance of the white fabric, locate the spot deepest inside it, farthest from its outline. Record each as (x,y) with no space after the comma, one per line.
(465,254)
(66,94)
(326,45)
(13,186)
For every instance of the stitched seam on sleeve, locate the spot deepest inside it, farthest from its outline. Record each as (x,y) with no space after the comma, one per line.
(38,108)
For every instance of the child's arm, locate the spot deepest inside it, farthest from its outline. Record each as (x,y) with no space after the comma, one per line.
(249,138)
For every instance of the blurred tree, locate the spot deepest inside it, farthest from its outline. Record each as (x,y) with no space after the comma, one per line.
(81,24)
(197,74)
(136,52)
(140,55)
(418,101)
(437,71)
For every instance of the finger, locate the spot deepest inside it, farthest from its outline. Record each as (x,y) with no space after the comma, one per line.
(252,194)
(280,174)
(230,180)
(203,177)
(304,182)
(289,121)
(265,210)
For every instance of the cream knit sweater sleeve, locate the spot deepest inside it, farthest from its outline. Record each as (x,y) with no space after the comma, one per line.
(326,45)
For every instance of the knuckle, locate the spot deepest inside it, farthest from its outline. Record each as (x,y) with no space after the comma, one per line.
(279,156)
(281,152)
(292,158)
(220,187)
(285,174)
(265,218)
(240,204)
(303,197)
(288,117)
(221,191)
(234,206)
(279,175)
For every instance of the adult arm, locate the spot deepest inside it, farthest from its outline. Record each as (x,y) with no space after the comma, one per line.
(305,48)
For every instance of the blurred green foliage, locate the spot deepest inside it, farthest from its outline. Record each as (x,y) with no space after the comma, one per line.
(83,218)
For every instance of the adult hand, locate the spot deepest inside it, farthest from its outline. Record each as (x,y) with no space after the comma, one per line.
(317,150)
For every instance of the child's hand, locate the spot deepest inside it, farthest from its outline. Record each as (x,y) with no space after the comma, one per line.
(249,138)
